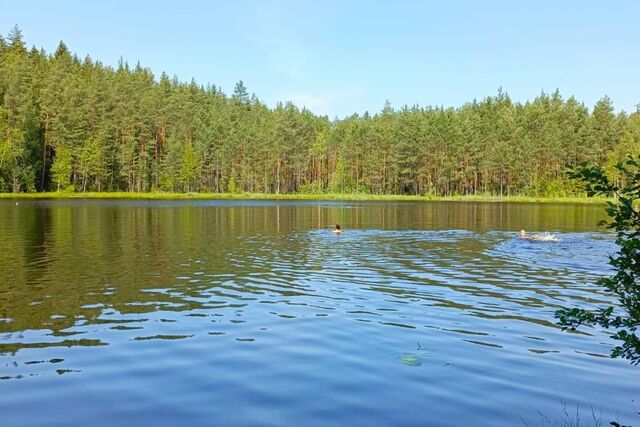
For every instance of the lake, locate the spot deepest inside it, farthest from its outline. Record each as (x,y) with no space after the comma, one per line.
(239,313)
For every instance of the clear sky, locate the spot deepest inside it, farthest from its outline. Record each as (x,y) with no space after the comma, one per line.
(340,57)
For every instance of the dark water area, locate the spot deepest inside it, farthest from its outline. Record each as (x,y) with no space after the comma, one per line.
(241,313)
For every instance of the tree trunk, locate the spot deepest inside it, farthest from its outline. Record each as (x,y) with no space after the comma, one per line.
(44,151)
(16,183)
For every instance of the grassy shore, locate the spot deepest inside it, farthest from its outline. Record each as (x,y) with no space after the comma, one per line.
(324,196)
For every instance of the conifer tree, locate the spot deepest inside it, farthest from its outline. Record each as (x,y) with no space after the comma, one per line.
(67,123)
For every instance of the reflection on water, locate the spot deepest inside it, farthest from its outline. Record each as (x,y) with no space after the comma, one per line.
(254,313)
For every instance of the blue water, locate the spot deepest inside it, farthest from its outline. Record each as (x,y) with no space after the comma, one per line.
(253,313)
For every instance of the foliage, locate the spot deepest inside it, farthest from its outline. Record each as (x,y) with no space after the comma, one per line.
(302,196)
(62,168)
(189,168)
(624,284)
(232,188)
(74,123)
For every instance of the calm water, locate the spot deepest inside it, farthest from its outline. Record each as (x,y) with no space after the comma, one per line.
(252,313)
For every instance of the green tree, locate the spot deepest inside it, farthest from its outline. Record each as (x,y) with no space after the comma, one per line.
(240,92)
(625,283)
(188,168)
(11,153)
(62,168)
(232,187)
(122,129)
(90,164)
(169,168)
(338,183)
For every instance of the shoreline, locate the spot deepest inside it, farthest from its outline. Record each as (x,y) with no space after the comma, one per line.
(320,197)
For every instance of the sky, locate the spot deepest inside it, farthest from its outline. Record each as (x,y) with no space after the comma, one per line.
(343,57)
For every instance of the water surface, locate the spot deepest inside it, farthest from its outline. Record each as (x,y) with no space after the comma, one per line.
(253,313)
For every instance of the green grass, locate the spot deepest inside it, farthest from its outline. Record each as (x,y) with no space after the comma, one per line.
(323,196)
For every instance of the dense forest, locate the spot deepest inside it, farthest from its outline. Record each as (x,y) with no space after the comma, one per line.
(77,125)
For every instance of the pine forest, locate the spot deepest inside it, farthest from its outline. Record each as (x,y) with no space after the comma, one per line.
(72,124)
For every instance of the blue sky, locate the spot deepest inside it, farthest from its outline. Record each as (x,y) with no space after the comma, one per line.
(341,57)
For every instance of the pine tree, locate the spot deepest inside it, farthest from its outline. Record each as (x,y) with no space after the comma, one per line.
(240,93)
(74,124)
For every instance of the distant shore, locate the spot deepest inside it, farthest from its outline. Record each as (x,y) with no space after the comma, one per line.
(323,196)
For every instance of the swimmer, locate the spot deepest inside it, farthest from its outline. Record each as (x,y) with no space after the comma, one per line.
(337,230)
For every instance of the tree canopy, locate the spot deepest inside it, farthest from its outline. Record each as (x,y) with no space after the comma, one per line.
(68,123)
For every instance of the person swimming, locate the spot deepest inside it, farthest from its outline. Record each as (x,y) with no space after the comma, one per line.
(337,230)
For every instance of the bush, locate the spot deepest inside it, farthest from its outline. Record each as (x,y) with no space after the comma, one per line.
(624,319)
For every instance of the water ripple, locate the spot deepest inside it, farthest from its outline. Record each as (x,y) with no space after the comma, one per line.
(262,309)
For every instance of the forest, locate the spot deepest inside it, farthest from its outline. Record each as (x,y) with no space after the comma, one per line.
(71,124)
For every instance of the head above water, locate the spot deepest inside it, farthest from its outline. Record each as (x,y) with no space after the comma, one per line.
(523,233)
(338,227)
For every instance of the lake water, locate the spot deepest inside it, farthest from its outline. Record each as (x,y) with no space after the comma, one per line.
(244,313)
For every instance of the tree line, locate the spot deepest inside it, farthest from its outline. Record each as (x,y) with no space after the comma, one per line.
(76,124)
